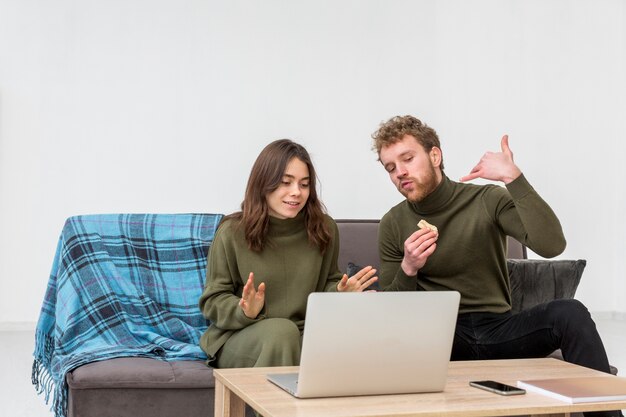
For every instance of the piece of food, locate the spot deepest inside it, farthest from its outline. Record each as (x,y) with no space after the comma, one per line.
(423,223)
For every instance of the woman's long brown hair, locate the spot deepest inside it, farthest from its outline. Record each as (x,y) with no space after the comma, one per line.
(265,177)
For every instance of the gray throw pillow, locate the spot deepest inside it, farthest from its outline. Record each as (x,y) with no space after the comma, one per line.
(536,281)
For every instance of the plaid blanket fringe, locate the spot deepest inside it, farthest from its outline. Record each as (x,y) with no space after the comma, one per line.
(121,285)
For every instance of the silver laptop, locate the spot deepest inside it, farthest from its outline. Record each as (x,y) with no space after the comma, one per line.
(374,343)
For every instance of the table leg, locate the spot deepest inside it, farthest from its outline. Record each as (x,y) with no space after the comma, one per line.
(227,404)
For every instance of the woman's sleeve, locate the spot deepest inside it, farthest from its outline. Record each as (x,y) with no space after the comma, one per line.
(219,301)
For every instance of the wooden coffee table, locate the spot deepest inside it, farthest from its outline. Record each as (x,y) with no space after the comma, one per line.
(236,387)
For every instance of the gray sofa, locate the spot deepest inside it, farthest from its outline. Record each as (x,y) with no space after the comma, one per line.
(136,387)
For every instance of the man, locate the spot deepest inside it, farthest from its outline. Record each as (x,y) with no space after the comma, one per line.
(467,252)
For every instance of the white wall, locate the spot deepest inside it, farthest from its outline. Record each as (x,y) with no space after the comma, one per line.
(162,106)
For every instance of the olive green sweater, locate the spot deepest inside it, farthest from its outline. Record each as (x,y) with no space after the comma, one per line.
(289,265)
(473,222)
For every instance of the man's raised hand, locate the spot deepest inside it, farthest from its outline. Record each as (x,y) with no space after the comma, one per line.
(496,166)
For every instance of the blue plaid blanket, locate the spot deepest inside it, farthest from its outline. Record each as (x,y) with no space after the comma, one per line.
(122,285)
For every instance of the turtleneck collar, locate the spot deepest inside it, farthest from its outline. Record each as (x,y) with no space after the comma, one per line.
(437,199)
(281,227)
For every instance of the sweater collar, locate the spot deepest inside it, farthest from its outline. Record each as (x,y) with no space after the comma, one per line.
(435,200)
(281,227)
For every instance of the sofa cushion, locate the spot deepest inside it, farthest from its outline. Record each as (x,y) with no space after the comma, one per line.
(536,281)
(141,373)
(358,242)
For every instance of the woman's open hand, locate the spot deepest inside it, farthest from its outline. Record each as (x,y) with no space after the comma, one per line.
(252,299)
(359,281)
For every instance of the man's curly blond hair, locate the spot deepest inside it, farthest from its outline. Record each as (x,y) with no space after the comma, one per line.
(394,129)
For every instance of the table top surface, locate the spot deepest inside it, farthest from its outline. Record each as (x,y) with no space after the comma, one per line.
(457,399)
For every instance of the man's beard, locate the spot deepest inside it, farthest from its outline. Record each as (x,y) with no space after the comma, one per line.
(422,188)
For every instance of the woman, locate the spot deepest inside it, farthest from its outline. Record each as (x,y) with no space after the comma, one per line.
(283,238)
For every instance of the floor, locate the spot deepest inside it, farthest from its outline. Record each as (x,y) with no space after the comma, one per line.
(19,399)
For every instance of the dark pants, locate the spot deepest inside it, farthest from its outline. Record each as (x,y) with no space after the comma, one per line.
(533,333)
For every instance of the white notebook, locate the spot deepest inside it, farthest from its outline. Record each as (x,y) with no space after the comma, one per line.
(579,390)
(374,343)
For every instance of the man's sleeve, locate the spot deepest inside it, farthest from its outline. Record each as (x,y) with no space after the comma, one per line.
(391,250)
(529,219)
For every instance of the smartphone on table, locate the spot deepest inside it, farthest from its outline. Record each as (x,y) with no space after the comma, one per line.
(497,387)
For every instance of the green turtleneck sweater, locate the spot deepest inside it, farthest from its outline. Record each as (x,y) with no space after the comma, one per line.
(289,265)
(473,222)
